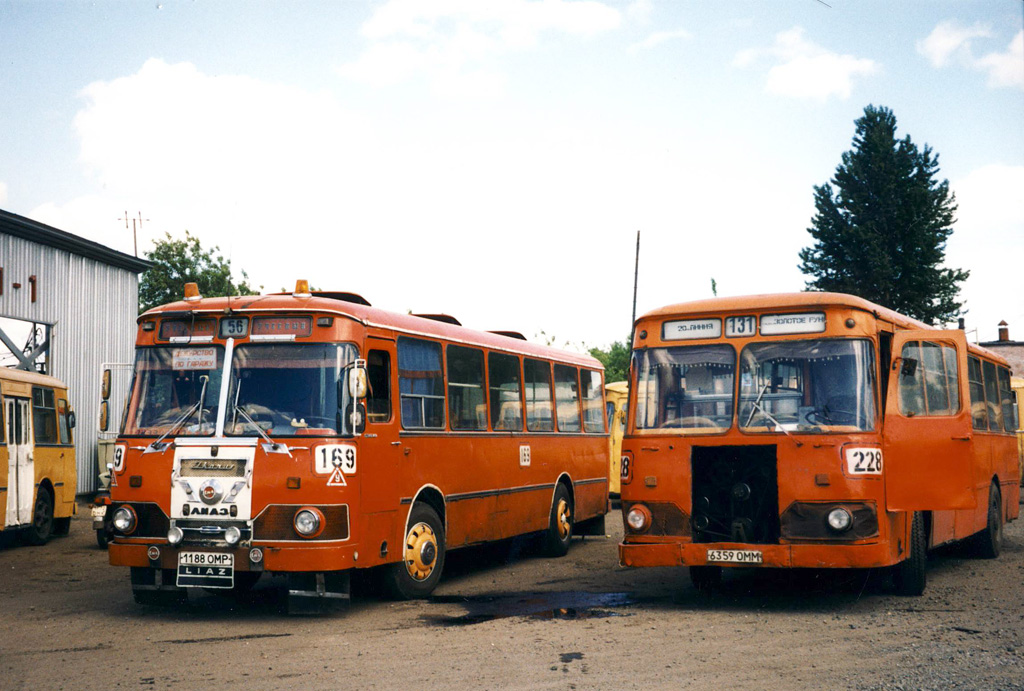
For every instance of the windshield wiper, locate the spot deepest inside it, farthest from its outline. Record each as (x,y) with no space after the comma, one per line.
(198,405)
(756,406)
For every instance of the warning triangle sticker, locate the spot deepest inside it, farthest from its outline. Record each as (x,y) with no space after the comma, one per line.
(337,479)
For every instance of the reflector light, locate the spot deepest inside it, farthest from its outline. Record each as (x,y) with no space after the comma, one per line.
(301,288)
(192,291)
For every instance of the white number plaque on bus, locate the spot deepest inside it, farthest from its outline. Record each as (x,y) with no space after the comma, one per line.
(333,458)
(686,329)
(803,323)
(863,461)
(740,326)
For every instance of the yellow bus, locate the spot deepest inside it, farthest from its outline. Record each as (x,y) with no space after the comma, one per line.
(616,395)
(37,490)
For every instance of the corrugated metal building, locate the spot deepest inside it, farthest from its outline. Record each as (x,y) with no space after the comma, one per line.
(87,297)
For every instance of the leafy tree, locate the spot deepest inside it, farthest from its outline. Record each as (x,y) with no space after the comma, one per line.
(615,360)
(882,234)
(177,262)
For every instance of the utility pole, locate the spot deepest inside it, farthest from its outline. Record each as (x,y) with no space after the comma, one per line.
(636,276)
(136,227)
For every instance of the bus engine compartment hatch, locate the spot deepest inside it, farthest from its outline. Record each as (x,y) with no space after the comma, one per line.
(735,494)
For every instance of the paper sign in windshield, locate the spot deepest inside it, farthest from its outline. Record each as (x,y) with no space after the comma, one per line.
(194,359)
(805,323)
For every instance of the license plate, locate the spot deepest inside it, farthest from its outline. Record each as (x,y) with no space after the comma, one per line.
(735,556)
(206,570)
(99,511)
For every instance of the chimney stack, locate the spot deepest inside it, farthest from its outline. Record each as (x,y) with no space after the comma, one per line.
(1004,331)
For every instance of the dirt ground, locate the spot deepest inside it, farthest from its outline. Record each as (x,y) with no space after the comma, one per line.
(504,618)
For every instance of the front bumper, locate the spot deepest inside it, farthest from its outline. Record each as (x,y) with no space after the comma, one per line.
(301,557)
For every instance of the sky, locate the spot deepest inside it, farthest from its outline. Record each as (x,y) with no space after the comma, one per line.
(495,160)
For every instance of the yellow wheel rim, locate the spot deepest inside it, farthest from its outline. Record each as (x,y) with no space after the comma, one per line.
(564,518)
(420,551)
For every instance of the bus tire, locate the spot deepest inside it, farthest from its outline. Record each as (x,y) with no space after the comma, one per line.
(706,579)
(558,535)
(989,542)
(416,576)
(42,519)
(911,575)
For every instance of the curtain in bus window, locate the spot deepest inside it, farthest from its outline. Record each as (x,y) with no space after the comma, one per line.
(466,406)
(590,380)
(1006,396)
(503,373)
(995,410)
(538,396)
(979,409)
(567,399)
(44,416)
(420,383)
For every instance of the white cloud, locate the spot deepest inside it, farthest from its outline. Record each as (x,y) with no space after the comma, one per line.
(949,42)
(1006,68)
(445,40)
(659,37)
(802,69)
(949,39)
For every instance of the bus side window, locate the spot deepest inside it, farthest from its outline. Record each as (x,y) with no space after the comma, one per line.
(63,423)
(912,381)
(378,399)
(979,412)
(592,387)
(1006,396)
(995,411)
(44,416)
(567,398)
(503,380)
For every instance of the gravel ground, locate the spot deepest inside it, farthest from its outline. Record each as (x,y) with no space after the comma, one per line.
(504,618)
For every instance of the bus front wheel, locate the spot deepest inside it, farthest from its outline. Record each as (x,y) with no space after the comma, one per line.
(417,574)
(989,542)
(42,519)
(910,575)
(558,536)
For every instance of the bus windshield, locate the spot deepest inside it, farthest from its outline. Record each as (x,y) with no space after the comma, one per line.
(685,387)
(176,390)
(289,390)
(811,386)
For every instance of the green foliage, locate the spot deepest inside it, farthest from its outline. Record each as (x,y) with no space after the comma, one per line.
(177,262)
(615,360)
(881,234)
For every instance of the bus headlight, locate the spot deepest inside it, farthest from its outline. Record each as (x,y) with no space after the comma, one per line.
(308,522)
(175,535)
(839,519)
(124,519)
(639,518)
(232,535)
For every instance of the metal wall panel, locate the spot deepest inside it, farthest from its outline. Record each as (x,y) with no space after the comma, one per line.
(91,307)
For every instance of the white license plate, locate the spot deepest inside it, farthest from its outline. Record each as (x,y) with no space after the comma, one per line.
(99,511)
(206,570)
(735,556)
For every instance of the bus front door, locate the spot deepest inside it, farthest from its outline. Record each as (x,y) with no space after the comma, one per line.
(927,447)
(20,461)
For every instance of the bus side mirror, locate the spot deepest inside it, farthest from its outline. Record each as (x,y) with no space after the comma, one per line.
(104,416)
(105,387)
(357,381)
(71,420)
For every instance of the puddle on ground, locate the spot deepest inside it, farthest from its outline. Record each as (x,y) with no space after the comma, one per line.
(567,605)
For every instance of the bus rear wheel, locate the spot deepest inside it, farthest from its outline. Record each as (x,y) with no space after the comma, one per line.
(558,536)
(989,542)
(911,574)
(423,551)
(42,519)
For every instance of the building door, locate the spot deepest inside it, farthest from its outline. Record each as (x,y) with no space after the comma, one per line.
(21,475)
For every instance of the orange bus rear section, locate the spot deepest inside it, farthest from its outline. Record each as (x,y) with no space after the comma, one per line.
(494,436)
(808,430)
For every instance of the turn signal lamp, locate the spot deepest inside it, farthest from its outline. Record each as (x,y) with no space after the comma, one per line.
(302,289)
(192,292)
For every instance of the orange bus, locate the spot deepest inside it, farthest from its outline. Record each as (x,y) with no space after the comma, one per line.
(308,435)
(812,430)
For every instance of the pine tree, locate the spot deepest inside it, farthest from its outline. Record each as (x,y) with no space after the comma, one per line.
(882,234)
